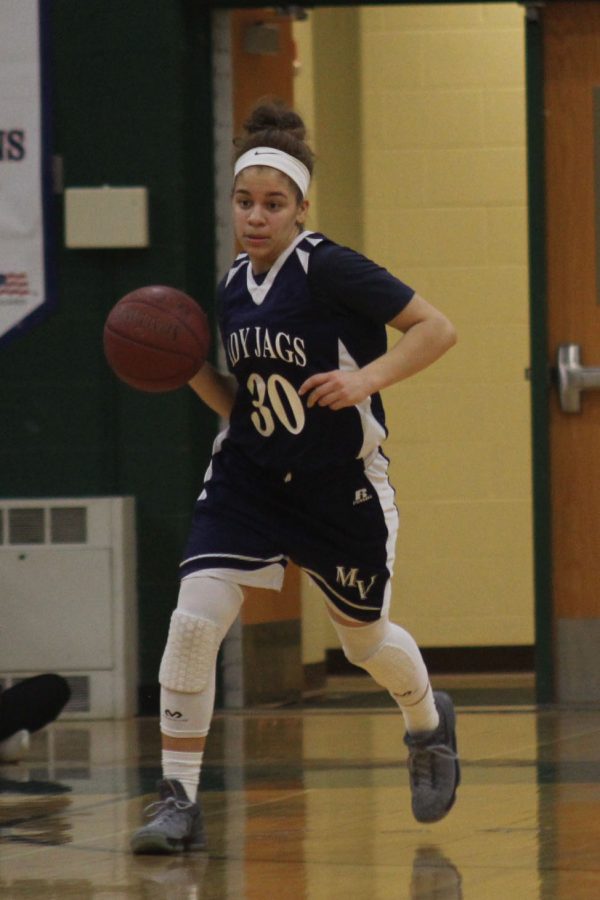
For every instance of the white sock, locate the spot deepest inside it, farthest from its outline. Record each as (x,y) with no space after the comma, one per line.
(422,716)
(185,768)
(15,747)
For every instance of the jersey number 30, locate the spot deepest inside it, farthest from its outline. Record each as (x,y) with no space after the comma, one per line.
(275,396)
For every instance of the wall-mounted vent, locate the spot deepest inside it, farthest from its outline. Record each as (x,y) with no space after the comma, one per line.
(79,700)
(26,526)
(43,525)
(68,525)
(68,587)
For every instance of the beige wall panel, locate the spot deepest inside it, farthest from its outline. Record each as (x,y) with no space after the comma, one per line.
(454,118)
(418,18)
(441,195)
(317,630)
(493,480)
(505,117)
(456,237)
(417,118)
(445,209)
(337,117)
(463,528)
(483,176)
(495,287)
(502,15)
(394,178)
(443,585)
(391,60)
(462,412)
(507,235)
(487,58)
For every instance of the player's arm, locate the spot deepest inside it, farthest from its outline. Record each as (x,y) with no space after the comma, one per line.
(427,335)
(215,389)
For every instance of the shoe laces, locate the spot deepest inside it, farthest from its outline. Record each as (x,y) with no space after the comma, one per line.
(167,808)
(421,759)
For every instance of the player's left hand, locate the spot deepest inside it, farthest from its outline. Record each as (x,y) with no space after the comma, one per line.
(335,389)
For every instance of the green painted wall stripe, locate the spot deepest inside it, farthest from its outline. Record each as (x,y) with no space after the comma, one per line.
(540,375)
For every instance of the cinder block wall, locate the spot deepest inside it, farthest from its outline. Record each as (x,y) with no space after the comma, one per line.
(442,183)
(445,207)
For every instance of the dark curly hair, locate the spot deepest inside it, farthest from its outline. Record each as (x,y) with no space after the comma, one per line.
(272,123)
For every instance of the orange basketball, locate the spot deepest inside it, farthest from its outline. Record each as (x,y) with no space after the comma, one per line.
(156,338)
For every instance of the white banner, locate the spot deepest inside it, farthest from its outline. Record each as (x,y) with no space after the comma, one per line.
(22,268)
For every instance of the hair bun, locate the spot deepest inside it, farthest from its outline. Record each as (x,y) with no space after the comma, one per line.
(275,115)
(272,123)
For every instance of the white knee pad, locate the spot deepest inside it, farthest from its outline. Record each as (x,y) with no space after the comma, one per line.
(190,653)
(205,610)
(389,654)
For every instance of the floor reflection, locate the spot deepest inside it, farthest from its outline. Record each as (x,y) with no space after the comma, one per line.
(434,876)
(163,878)
(312,803)
(32,811)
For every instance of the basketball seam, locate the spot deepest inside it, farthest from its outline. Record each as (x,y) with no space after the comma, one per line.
(174,352)
(157,305)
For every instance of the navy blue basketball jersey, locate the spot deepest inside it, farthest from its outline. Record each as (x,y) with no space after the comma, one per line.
(297,321)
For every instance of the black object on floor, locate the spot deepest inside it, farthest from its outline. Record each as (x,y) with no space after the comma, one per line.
(32,703)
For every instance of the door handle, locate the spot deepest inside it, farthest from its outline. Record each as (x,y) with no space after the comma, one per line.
(573,378)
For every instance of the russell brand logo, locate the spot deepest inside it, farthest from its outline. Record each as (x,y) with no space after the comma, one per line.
(361,496)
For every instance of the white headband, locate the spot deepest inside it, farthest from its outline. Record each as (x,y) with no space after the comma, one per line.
(276,159)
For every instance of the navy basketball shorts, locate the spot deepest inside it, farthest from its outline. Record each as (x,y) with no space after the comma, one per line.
(338,524)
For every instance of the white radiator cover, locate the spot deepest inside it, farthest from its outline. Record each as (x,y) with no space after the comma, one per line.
(68,599)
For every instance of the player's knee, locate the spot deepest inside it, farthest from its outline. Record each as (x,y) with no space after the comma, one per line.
(388,653)
(359,642)
(206,609)
(190,654)
(213,599)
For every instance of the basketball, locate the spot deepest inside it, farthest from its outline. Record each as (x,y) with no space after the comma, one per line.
(156,338)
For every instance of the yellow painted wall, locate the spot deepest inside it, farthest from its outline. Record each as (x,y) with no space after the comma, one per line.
(443,204)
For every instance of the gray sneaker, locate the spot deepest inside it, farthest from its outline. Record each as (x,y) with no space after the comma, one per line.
(176,823)
(433,765)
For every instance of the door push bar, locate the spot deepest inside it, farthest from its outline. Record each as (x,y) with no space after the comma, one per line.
(573,378)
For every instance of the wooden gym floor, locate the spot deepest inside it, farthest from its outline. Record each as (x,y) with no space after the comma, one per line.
(313,802)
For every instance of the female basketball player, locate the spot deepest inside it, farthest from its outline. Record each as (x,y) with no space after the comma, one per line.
(298,474)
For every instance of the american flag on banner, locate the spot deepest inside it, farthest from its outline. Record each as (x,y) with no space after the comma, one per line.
(14,284)
(25,165)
